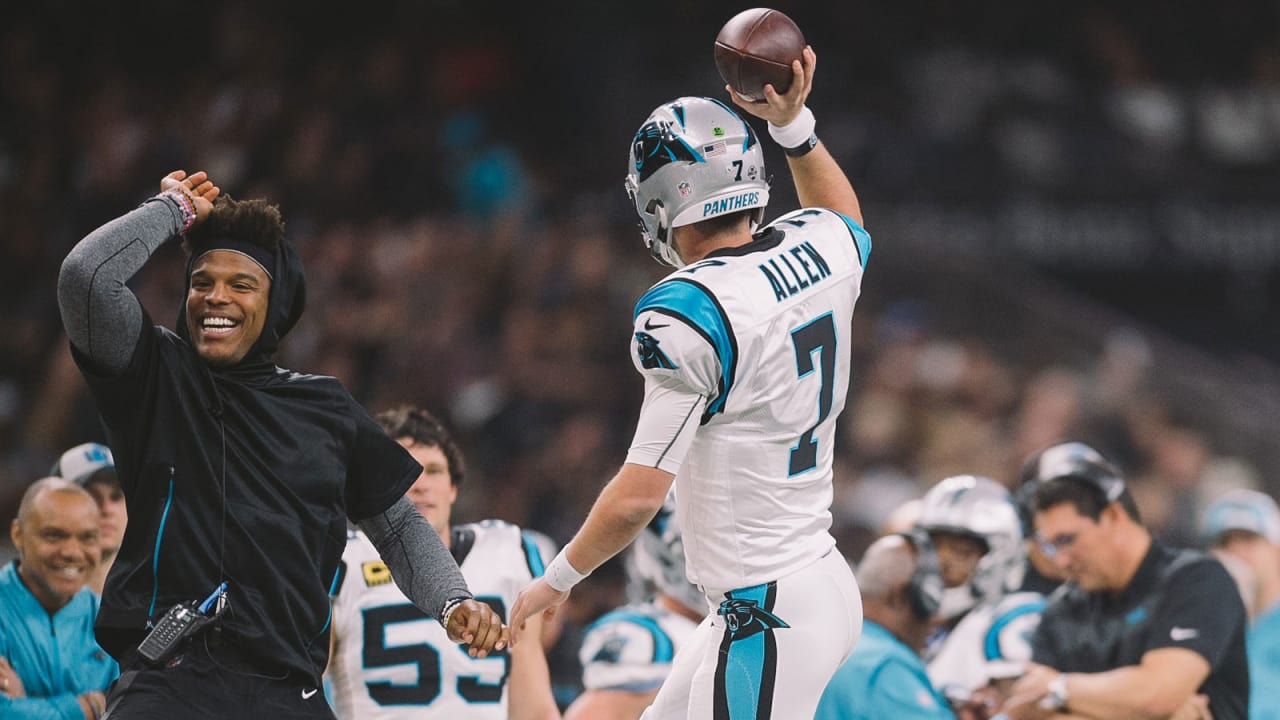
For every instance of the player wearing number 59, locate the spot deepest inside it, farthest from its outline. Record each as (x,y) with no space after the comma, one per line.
(390,660)
(744,350)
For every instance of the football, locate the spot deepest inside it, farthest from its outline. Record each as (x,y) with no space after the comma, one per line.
(756,48)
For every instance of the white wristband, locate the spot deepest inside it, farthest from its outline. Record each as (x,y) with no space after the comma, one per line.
(795,133)
(561,576)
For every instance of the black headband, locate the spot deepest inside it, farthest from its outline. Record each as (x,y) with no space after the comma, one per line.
(262,256)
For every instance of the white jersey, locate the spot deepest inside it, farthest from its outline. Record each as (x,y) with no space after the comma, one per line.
(992,641)
(631,648)
(745,356)
(393,661)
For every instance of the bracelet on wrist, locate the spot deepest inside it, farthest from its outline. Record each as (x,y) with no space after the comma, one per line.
(1057,696)
(561,575)
(803,149)
(450,605)
(186,204)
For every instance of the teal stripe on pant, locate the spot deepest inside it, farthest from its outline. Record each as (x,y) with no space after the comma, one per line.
(748,654)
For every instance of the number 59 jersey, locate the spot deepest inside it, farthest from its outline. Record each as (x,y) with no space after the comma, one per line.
(393,661)
(746,357)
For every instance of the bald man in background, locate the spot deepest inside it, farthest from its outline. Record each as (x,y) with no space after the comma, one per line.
(885,676)
(50,664)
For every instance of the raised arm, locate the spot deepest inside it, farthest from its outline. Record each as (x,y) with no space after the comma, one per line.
(102,317)
(818,178)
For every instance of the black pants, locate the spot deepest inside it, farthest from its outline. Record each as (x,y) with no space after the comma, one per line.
(211,684)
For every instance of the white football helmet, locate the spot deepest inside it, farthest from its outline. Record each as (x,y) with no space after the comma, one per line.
(691,160)
(983,509)
(656,562)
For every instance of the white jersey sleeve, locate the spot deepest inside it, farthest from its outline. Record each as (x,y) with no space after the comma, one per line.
(393,662)
(631,648)
(668,421)
(991,642)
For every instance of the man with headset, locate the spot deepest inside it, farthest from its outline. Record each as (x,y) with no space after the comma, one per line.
(885,677)
(1139,628)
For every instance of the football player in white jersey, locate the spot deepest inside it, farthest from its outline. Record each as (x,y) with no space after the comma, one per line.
(389,660)
(627,653)
(744,350)
(985,636)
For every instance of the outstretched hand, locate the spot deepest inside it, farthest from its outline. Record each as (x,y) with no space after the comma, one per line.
(477,626)
(536,597)
(781,109)
(198,187)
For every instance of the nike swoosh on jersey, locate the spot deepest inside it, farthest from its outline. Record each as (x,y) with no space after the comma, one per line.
(650,325)
(1178,634)
(306,694)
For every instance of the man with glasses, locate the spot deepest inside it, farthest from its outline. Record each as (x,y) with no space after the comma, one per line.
(1139,629)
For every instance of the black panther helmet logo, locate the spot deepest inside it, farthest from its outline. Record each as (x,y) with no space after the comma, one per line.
(655,145)
(650,355)
(745,618)
(611,651)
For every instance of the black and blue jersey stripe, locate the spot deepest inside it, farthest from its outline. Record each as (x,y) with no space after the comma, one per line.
(693,304)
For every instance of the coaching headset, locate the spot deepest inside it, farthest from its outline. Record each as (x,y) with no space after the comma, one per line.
(924,589)
(1073,460)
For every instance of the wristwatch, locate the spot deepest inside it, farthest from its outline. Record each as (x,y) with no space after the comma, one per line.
(1056,698)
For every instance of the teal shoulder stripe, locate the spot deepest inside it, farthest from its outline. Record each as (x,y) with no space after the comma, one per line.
(663,648)
(698,308)
(991,644)
(532,555)
(861,238)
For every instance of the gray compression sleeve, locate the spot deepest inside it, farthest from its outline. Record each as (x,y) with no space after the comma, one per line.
(102,317)
(419,562)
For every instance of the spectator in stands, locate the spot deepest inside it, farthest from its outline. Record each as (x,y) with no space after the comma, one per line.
(51,665)
(1136,632)
(1245,525)
(92,467)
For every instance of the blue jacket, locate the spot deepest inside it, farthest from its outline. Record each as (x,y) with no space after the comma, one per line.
(882,679)
(56,657)
(1263,646)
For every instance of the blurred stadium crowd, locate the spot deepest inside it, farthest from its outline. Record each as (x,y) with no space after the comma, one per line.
(454,184)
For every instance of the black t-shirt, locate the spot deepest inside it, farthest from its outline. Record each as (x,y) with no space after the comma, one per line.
(295,455)
(1178,598)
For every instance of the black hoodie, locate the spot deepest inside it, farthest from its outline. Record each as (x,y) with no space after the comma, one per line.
(245,474)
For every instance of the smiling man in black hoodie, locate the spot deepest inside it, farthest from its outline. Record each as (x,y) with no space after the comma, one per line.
(237,473)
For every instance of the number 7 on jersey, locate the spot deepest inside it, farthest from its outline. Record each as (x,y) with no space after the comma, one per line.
(816,335)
